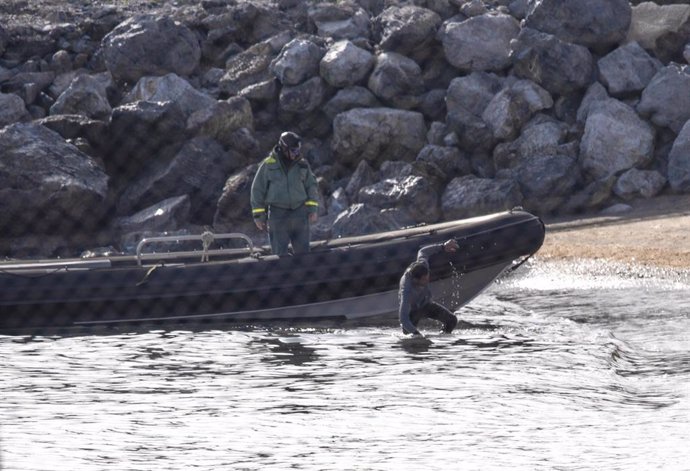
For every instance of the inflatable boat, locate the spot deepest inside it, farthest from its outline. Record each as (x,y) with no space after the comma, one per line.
(170,284)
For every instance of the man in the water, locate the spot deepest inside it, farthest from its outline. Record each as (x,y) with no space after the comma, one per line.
(415,297)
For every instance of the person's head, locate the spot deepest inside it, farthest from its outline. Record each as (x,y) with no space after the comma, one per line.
(420,273)
(290,144)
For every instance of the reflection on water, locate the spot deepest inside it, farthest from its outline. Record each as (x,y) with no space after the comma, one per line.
(583,366)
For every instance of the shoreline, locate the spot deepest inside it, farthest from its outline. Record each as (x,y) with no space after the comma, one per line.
(654,233)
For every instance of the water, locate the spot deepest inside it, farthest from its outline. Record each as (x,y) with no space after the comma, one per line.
(572,367)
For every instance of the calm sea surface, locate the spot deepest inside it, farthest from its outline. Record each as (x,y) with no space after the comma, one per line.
(572,367)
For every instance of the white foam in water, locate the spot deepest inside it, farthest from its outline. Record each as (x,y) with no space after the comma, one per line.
(596,274)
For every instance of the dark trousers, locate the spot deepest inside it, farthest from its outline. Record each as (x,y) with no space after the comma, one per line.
(286,226)
(437,312)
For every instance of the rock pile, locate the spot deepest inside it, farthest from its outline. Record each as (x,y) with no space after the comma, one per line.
(128,121)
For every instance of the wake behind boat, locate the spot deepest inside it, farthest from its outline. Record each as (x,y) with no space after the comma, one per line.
(352,278)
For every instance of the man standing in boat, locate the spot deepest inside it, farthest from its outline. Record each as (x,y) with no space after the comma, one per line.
(414,295)
(284,196)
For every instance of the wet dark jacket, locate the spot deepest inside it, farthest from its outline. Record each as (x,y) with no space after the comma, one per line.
(411,296)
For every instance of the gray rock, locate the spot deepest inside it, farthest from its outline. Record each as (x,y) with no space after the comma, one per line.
(199,170)
(345,64)
(350,98)
(344,20)
(396,80)
(679,161)
(252,66)
(452,161)
(140,133)
(592,196)
(661,29)
(469,196)
(547,181)
(591,23)
(407,30)
(481,43)
(540,136)
(168,215)
(297,62)
(466,101)
(305,97)
(77,126)
(12,109)
(363,176)
(362,219)
(686,53)
(666,100)
(47,186)
(222,119)
(377,135)
(233,206)
(635,183)
(628,69)
(173,88)
(513,106)
(148,45)
(615,139)
(557,66)
(85,96)
(413,194)
(595,93)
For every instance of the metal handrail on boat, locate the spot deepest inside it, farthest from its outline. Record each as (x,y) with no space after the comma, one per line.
(207,238)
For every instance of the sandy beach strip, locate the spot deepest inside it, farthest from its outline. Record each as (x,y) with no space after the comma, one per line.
(655,232)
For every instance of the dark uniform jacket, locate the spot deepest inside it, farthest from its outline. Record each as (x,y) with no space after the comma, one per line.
(283,186)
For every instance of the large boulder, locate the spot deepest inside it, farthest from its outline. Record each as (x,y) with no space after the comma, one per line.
(233,209)
(627,70)
(679,161)
(377,135)
(345,64)
(481,43)
(466,100)
(350,98)
(168,215)
(542,135)
(47,186)
(253,66)
(414,194)
(639,183)
(396,80)
(408,30)
(150,45)
(140,133)
(547,181)
(661,29)
(666,100)
(297,62)
(12,109)
(361,219)
(615,139)
(597,24)
(85,96)
(199,170)
(344,20)
(513,106)
(303,98)
(469,196)
(173,88)
(222,119)
(558,66)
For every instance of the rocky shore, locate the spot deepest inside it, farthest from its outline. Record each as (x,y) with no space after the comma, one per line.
(130,118)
